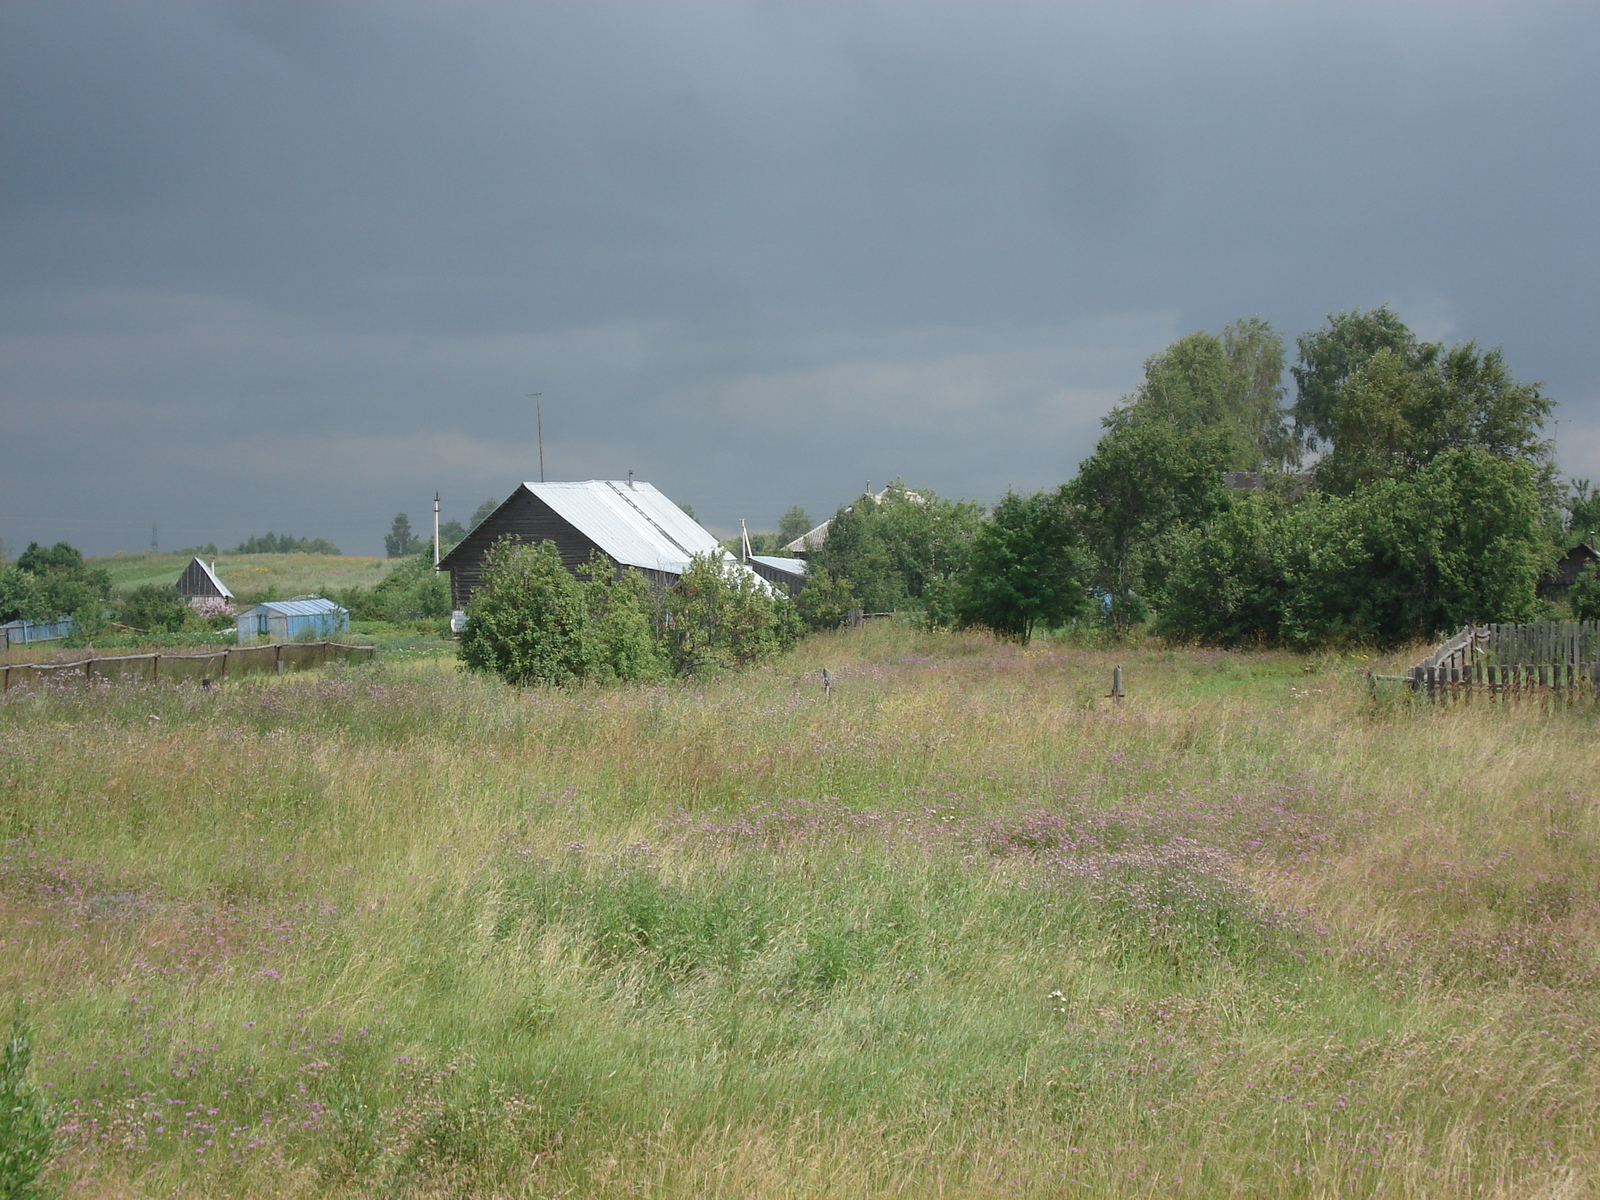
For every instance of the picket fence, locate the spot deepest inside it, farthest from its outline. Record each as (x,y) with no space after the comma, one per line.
(1541,656)
(211,667)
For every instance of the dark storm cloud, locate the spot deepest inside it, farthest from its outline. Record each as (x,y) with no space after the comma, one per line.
(295,265)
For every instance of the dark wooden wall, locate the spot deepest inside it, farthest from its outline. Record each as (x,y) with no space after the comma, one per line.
(193,582)
(791,584)
(527,519)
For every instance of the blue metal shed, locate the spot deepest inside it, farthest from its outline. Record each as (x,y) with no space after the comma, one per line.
(286,620)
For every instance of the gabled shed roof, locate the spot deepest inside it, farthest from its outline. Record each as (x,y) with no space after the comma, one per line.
(198,563)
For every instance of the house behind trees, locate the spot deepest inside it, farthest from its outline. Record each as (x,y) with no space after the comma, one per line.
(627,522)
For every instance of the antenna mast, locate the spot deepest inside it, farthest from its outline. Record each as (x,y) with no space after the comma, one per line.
(436,531)
(538,416)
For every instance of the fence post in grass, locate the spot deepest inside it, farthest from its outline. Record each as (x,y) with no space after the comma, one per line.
(827,686)
(1116,685)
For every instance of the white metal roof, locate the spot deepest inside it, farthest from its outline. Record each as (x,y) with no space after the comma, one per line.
(221,587)
(793,566)
(633,523)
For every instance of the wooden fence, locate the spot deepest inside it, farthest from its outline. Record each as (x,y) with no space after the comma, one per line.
(1552,656)
(211,667)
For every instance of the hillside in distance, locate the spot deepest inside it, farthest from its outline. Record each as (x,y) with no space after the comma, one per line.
(253,576)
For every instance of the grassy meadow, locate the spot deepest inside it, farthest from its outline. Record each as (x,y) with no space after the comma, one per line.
(962,928)
(252,576)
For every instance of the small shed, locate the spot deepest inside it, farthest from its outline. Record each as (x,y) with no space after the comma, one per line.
(1567,569)
(200,582)
(787,573)
(286,620)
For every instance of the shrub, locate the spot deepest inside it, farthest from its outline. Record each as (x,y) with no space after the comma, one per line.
(152,608)
(826,600)
(27,1125)
(527,622)
(721,615)
(1584,595)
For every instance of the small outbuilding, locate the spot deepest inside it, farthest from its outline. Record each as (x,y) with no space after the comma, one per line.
(1568,567)
(199,582)
(287,620)
(786,573)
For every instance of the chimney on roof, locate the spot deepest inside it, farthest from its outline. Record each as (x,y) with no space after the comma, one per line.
(630,479)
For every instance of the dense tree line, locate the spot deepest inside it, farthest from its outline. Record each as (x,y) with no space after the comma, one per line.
(283,543)
(1408,487)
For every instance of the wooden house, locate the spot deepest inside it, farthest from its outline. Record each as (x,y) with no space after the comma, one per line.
(1567,569)
(200,582)
(786,573)
(627,522)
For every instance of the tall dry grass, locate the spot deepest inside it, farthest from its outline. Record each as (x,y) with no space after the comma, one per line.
(963,929)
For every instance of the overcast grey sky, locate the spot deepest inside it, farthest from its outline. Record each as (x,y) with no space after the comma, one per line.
(297,265)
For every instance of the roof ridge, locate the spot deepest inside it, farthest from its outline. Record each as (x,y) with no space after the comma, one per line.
(654,524)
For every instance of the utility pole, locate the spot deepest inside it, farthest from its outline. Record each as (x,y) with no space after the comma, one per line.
(154,548)
(538,416)
(744,537)
(436,531)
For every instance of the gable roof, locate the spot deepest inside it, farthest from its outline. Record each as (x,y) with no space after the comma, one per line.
(633,523)
(197,561)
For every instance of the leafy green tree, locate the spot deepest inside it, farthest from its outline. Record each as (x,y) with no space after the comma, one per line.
(1145,481)
(1330,356)
(719,615)
(1025,568)
(528,620)
(19,594)
(283,543)
(900,551)
(622,643)
(400,541)
(1255,361)
(1463,540)
(1584,594)
(413,591)
(794,523)
(40,560)
(826,599)
(151,608)
(60,584)
(1396,414)
(1582,506)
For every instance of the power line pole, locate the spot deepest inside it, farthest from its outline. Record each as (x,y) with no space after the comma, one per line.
(538,416)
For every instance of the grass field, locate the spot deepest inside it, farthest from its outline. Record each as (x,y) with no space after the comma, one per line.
(251,576)
(963,929)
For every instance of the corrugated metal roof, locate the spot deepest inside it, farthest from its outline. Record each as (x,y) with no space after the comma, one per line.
(794,566)
(636,525)
(312,606)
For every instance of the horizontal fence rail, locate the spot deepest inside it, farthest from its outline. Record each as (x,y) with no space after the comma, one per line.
(212,667)
(1541,656)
